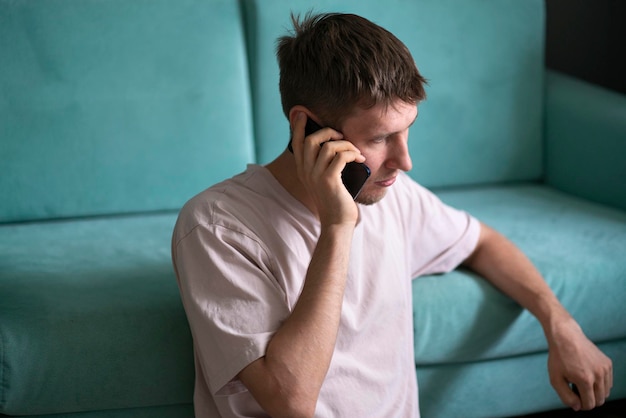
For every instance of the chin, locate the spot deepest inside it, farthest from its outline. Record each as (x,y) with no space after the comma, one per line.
(369,197)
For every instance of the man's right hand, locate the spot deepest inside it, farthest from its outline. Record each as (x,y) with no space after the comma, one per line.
(319,170)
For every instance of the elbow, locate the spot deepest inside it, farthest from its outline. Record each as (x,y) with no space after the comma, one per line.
(295,409)
(287,408)
(286,400)
(279,391)
(291,404)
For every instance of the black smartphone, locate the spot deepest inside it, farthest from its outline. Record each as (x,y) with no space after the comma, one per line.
(354,175)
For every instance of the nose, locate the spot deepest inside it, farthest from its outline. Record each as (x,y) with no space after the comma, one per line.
(398,157)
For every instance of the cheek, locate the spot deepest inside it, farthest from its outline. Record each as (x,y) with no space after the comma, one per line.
(375,163)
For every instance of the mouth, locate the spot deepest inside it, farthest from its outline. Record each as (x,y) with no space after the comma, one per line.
(386,183)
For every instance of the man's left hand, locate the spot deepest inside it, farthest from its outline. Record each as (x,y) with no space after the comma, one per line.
(574,359)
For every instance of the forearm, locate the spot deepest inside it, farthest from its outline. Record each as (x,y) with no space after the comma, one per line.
(297,358)
(500,262)
(572,357)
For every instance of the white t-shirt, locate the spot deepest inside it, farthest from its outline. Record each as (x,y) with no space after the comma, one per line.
(241,250)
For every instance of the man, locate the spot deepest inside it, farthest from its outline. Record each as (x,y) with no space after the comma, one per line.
(298,297)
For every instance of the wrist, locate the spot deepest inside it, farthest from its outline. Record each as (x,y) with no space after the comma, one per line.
(340,233)
(335,220)
(559,326)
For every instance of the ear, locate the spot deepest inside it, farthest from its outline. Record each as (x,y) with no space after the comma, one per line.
(293,112)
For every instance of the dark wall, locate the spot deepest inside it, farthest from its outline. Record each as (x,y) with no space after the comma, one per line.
(587,39)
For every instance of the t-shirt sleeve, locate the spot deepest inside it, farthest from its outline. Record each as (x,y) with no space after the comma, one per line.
(442,237)
(233,304)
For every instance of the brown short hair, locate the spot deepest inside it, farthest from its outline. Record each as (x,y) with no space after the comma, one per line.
(333,62)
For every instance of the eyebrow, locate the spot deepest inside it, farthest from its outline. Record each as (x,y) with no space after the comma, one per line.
(386,134)
(411,124)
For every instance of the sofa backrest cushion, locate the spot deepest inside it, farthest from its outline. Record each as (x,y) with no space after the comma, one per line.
(119,106)
(482,120)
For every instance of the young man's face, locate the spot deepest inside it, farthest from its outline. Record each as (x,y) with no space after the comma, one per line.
(382,137)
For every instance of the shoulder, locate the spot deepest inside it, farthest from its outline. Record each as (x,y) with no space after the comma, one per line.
(201,209)
(225,204)
(251,204)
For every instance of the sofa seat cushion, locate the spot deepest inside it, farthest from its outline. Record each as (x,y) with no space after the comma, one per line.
(90,316)
(578,246)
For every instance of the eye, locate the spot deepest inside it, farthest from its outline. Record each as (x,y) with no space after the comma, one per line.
(379,140)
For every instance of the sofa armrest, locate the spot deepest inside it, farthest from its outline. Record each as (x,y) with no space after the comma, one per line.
(585,133)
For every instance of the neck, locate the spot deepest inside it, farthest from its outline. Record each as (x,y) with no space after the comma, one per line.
(283,168)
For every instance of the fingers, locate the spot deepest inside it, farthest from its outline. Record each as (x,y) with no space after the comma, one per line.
(609,378)
(567,394)
(298,137)
(587,395)
(307,148)
(600,393)
(591,395)
(573,358)
(322,154)
(580,396)
(599,385)
(333,157)
(590,392)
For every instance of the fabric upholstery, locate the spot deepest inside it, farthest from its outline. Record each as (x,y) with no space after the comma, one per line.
(106,104)
(91,317)
(502,387)
(174,411)
(585,129)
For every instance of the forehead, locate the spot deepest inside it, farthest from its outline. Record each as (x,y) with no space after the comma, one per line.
(380,120)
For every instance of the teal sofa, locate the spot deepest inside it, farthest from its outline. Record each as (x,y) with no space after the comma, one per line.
(113,113)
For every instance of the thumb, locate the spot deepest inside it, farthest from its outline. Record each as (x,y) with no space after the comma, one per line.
(568,394)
